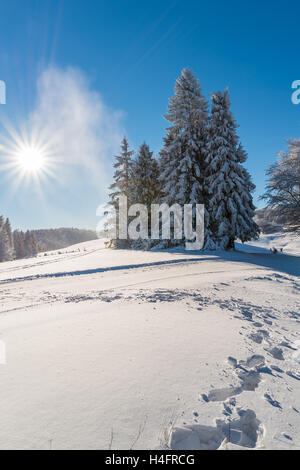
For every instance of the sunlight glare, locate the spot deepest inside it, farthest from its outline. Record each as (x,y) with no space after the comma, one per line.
(28,156)
(31,159)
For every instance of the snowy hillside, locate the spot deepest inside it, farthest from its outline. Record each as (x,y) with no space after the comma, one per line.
(120,349)
(289,242)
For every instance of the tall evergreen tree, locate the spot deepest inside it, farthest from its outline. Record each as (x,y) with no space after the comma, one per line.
(146,189)
(122,185)
(228,183)
(4,241)
(182,157)
(7,228)
(166,161)
(123,173)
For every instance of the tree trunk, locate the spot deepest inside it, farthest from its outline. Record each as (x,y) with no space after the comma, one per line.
(230,245)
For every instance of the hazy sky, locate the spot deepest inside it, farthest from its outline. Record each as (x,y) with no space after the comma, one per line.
(83,72)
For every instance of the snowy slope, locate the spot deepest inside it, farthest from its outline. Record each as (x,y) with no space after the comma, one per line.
(289,242)
(122,349)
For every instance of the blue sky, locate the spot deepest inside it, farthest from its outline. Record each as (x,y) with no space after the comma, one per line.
(130,53)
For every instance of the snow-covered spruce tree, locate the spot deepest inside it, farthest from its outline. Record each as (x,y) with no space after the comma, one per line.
(7,228)
(228,183)
(283,186)
(242,158)
(123,173)
(6,250)
(146,186)
(122,185)
(185,145)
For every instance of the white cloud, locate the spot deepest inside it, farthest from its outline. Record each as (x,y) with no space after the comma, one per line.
(80,129)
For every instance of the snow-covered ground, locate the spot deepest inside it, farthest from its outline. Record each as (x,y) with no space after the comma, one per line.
(128,349)
(288,242)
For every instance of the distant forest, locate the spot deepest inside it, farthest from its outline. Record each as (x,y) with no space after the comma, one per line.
(54,239)
(18,244)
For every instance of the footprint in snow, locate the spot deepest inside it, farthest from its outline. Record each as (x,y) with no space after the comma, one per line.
(254,361)
(232,361)
(294,376)
(272,402)
(285,344)
(249,381)
(277,353)
(257,338)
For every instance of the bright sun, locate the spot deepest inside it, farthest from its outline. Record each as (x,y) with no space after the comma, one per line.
(31,159)
(28,156)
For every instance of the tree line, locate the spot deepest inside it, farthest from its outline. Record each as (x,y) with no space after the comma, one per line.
(201,162)
(15,244)
(18,244)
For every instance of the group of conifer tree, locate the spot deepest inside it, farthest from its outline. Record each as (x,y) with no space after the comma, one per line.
(201,162)
(15,244)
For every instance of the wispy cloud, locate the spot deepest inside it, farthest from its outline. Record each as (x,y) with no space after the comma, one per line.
(79,127)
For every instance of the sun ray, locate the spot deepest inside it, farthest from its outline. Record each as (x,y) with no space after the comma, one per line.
(27,156)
